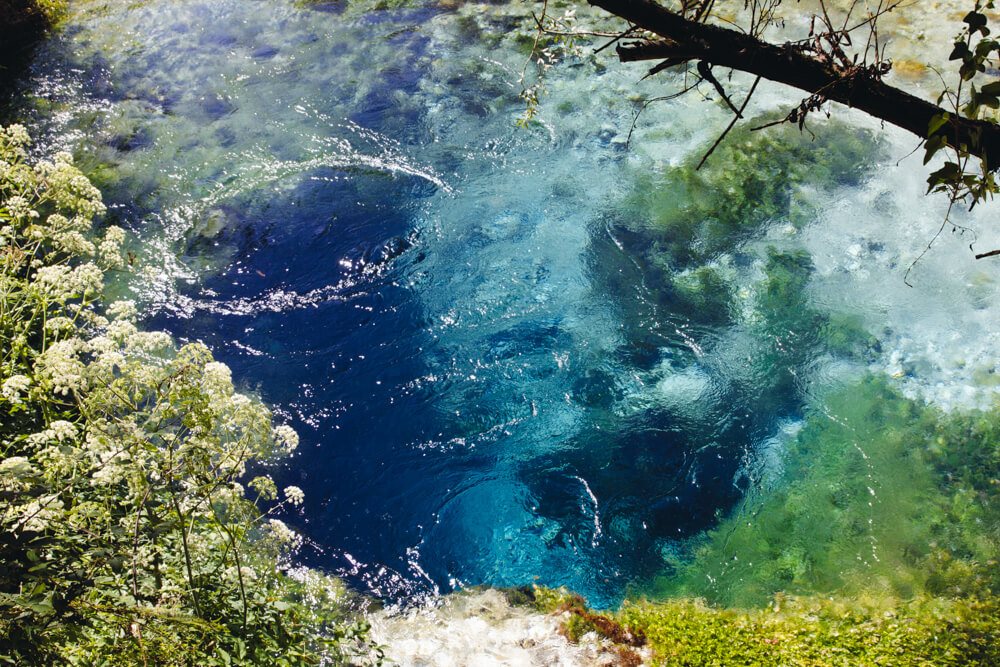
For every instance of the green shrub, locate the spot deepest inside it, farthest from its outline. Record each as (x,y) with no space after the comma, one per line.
(125,534)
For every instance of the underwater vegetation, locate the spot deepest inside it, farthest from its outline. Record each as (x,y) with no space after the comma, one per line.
(696,234)
(753,179)
(871,538)
(877,494)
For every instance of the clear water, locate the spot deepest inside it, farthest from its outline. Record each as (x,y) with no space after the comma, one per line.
(489,383)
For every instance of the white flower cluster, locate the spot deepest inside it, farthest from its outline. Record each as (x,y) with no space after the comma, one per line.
(282,533)
(286,437)
(74,243)
(14,386)
(62,282)
(57,324)
(19,208)
(217,379)
(110,248)
(16,135)
(60,367)
(12,470)
(112,468)
(69,188)
(123,310)
(294,495)
(58,431)
(149,341)
(36,515)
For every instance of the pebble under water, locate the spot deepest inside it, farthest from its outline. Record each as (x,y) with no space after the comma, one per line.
(468,323)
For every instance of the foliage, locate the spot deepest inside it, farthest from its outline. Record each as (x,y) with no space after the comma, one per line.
(811,630)
(23,20)
(877,494)
(954,176)
(816,631)
(126,536)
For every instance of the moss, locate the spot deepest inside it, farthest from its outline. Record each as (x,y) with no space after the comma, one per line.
(32,16)
(819,632)
(814,631)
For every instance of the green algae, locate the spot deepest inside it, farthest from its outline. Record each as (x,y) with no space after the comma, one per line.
(877,494)
(753,179)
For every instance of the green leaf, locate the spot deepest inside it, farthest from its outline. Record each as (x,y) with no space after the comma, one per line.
(960,51)
(937,121)
(976,22)
(933,145)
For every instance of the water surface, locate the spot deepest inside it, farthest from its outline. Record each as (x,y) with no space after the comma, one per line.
(494,364)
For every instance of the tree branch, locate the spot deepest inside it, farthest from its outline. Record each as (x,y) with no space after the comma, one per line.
(856,86)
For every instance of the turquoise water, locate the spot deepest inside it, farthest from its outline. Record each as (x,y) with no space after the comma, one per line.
(502,369)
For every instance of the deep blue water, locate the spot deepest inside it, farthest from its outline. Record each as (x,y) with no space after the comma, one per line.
(487,386)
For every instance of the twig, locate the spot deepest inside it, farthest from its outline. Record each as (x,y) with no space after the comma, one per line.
(731,124)
(944,223)
(705,69)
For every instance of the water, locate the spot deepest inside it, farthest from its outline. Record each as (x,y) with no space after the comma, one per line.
(464,320)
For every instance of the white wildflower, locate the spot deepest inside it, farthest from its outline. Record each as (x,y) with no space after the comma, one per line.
(13,469)
(282,532)
(123,310)
(52,280)
(101,344)
(86,279)
(62,282)
(294,495)
(106,363)
(110,248)
(16,134)
(61,367)
(58,222)
(120,330)
(57,324)
(217,378)
(149,341)
(74,242)
(113,468)
(286,437)
(14,386)
(35,516)
(57,460)
(19,207)
(63,430)
(58,431)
